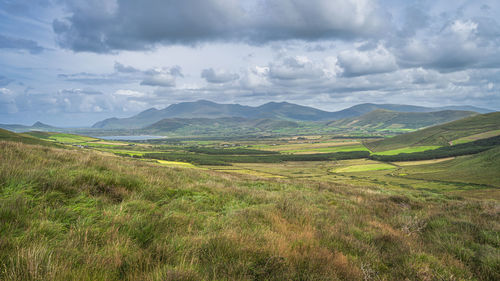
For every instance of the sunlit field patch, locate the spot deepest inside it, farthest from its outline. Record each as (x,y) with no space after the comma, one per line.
(364,168)
(337,148)
(407,150)
(70,138)
(176,164)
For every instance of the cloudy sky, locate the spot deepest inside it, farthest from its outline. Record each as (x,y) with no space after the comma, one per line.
(75,62)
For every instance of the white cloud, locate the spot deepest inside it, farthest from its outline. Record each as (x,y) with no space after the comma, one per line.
(130,93)
(162,77)
(218,75)
(295,68)
(357,63)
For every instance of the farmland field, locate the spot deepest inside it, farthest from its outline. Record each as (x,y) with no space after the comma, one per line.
(289,215)
(364,168)
(406,150)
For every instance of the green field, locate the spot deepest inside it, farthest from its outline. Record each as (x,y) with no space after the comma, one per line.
(364,168)
(406,150)
(61,137)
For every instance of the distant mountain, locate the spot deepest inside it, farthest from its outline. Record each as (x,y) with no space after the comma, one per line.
(381,119)
(271,110)
(23,128)
(467,108)
(15,127)
(442,134)
(40,125)
(208,109)
(197,126)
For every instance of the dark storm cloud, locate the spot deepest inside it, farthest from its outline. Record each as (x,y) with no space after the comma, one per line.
(98,26)
(8,42)
(218,76)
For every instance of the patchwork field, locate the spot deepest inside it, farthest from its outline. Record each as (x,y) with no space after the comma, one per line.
(296,215)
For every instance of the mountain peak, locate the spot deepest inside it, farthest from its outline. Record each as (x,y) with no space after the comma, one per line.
(39,124)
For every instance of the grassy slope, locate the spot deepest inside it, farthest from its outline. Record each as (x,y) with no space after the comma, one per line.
(60,137)
(384,119)
(479,136)
(481,168)
(23,138)
(441,134)
(69,214)
(407,150)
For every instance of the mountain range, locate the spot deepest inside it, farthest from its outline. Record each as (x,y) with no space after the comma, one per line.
(272,110)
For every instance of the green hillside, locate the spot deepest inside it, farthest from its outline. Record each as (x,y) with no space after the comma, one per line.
(481,168)
(60,137)
(442,134)
(23,138)
(391,120)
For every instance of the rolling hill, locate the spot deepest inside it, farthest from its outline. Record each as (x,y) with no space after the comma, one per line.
(381,119)
(442,134)
(272,110)
(23,138)
(218,125)
(481,168)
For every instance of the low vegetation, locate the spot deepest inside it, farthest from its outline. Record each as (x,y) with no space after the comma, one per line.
(79,215)
(364,168)
(443,152)
(481,168)
(441,135)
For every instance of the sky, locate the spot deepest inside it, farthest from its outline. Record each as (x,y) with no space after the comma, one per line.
(76,62)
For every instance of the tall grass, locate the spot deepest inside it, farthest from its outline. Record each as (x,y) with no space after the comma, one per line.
(74,215)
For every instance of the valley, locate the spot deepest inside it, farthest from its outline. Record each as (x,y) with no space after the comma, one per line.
(232,140)
(254,206)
